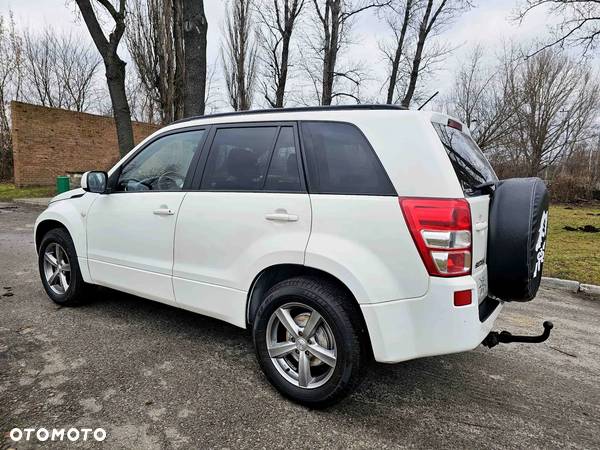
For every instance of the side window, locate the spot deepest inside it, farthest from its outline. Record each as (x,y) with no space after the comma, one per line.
(283,173)
(238,159)
(341,161)
(162,165)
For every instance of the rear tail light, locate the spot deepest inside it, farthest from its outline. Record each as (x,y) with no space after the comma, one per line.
(441,229)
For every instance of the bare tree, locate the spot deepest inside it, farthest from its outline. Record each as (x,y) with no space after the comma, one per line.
(40,82)
(434,15)
(580,25)
(277,19)
(10,82)
(212,97)
(77,65)
(114,65)
(195,28)
(239,54)
(153,48)
(334,19)
(556,102)
(399,18)
(481,98)
(58,71)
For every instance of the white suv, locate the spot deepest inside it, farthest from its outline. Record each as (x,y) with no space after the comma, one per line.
(336,234)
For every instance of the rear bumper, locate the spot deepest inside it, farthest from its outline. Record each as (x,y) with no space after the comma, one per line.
(426,326)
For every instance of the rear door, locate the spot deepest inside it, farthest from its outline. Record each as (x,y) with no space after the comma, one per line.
(472,170)
(250,210)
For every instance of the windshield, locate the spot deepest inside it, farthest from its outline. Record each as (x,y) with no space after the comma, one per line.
(471,167)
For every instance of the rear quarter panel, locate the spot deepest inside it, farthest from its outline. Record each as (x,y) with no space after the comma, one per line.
(363,241)
(411,152)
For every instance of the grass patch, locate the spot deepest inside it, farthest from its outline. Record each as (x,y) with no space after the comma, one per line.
(574,255)
(9,192)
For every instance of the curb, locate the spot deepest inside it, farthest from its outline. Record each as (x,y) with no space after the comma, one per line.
(571,286)
(41,201)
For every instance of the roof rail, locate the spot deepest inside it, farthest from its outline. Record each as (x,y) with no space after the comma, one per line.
(295,109)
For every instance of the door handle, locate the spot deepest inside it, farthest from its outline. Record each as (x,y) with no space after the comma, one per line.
(480,226)
(163,212)
(282,217)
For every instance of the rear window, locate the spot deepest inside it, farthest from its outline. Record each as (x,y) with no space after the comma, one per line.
(471,167)
(341,161)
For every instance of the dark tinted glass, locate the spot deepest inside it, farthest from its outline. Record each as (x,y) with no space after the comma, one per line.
(238,159)
(283,172)
(341,161)
(471,167)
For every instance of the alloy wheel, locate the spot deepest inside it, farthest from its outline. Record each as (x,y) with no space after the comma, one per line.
(57,268)
(301,345)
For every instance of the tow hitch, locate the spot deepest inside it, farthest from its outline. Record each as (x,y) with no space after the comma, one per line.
(505,337)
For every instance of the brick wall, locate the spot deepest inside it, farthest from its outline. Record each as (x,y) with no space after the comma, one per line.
(48,142)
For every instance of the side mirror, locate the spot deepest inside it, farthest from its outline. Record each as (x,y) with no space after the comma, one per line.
(94,181)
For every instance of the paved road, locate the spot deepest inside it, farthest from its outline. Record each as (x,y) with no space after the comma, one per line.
(157,377)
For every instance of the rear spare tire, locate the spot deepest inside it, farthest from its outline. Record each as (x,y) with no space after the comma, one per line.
(517,238)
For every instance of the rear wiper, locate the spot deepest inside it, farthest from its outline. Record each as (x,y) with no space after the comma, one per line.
(464,160)
(486,188)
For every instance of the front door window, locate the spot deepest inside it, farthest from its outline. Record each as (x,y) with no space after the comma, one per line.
(162,165)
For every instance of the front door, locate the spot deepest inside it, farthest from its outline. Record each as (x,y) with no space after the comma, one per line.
(130,231)
(250,210)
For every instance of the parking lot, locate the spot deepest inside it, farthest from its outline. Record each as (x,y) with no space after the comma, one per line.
(157,377)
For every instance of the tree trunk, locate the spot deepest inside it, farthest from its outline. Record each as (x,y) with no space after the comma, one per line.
(243,104)
(178,45)
(115,68)
(285,53)
(416,65)
(398,54)
(331,49)
(194,37)
(115,77)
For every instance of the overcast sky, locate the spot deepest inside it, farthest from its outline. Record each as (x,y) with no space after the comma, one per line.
(489,24)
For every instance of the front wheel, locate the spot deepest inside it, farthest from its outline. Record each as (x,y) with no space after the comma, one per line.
(59,269)
(307,335)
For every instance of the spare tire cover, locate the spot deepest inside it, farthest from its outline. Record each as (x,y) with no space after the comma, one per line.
(518,226)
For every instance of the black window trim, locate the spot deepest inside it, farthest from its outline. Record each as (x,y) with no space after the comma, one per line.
(114,177)
(304,135)
(196,183)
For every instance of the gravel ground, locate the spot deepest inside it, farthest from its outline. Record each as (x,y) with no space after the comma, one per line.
(157,377)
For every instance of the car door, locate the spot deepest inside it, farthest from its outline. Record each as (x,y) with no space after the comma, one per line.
(251,211)
(130,231)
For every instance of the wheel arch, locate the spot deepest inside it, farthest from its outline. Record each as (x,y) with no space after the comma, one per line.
(44,227)
(272,275)
(67,215)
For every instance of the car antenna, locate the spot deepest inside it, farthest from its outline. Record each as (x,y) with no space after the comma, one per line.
(428,100)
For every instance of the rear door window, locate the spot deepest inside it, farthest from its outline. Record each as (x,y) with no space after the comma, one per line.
(239,158)
(340,160)
(471,166)
(283,174)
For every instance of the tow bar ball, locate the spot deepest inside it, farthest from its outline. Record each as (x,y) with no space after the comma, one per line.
(505,337)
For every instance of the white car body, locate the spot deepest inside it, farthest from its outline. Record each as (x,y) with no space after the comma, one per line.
(204,251)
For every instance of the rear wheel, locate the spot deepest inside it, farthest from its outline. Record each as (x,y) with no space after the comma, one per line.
(59,269)
(307,339)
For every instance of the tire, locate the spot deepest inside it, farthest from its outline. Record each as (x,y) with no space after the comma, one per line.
(77,290)
(339,331)
(517,238)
